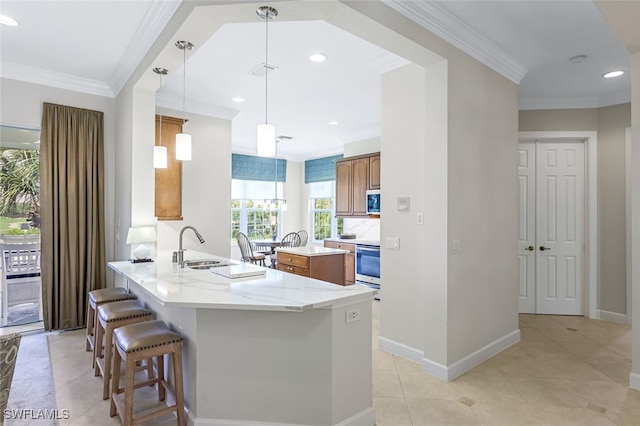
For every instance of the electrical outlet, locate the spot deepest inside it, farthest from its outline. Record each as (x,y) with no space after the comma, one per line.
(352,315)
(420,218)
(455,247)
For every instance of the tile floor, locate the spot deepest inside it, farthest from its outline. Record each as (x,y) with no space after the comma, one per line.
(565,371)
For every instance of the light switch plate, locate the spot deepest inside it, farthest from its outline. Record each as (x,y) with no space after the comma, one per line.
(404,204)
(393,243)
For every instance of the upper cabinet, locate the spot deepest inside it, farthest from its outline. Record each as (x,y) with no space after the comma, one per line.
(374,172)
(168,197)
(354,176)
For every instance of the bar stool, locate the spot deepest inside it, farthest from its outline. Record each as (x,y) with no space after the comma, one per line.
(97,298)
(110,316)
(133,343)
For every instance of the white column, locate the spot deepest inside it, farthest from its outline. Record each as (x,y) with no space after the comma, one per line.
(634,378)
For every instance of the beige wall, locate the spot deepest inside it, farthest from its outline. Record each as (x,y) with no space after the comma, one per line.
(610,124)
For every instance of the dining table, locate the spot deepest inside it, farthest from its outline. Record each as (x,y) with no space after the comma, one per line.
(271,245)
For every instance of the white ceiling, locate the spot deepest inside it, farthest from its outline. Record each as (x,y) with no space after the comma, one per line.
(94,46)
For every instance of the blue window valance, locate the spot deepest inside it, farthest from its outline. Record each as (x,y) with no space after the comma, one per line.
(321,169)
(249,167)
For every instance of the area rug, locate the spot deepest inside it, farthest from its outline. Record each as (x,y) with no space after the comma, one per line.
(32,396)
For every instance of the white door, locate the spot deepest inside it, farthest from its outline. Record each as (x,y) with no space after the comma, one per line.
(551,274)
(527,228)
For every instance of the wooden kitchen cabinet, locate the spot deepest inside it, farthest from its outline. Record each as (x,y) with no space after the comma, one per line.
(374,172)
(327,267)
(168,182)
(353,179)
(349,260)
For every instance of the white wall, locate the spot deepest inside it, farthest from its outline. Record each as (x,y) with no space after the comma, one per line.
(471,305)
(206,188)
(634,380)
(362,147)
(21,106)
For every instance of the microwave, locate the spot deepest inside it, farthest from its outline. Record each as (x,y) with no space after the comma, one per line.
(373,201)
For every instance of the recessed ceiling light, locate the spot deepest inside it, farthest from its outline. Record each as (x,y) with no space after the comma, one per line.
(318,57)
(612,74)
(333,123)
(237,99)
(8,21)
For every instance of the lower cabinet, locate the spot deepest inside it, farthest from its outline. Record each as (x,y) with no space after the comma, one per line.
(326,267)
(350,259)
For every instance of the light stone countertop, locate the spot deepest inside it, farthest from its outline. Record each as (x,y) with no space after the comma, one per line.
(311,250)
(173,286)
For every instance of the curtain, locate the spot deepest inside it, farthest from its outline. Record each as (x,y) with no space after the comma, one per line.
(72,212)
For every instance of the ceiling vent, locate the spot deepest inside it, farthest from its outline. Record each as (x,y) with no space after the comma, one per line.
(262,69)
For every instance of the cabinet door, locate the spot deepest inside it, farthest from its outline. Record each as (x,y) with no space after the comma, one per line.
(374,172)
(360,184)
(343,188)
(168,186)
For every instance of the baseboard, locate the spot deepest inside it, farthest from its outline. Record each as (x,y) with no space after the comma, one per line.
(613,317)
(400,349)
(364,418)
(634,381)
(456,369)
(481,355)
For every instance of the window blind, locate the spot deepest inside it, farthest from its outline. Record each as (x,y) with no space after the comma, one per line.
(249,167)
(321,169)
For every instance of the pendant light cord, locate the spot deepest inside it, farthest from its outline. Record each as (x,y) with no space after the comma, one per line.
(266,67)
(184,78)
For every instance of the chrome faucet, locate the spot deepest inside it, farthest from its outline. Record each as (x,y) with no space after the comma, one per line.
(181,251)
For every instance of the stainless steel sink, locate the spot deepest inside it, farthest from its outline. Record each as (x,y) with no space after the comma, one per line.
(204,264)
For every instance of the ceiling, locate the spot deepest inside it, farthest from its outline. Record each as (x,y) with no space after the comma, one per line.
(94,47)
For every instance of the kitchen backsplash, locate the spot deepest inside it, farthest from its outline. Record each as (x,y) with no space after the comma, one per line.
(365,229)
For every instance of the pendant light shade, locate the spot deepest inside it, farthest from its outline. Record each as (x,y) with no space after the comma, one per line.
(159,157)
(159,151)
(266,135)
(183,140)
(183,146)
(266,140)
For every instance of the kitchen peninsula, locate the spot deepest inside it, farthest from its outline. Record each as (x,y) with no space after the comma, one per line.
(269,349)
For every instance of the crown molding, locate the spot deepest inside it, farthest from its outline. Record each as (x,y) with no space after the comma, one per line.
(438,20)
(193,107)
(608,99)
(54,79)
(157,17)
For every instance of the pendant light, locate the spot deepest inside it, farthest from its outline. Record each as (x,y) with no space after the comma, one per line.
(183,140)
(266,135)
(160,151)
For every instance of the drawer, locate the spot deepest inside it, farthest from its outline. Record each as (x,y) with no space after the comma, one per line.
(293,269)
(293,260)
(340,245)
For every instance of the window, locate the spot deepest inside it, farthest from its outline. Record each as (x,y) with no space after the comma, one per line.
(250,211)
(323,221)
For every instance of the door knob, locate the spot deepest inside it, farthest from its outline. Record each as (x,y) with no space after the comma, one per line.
(530,248)
(543,248)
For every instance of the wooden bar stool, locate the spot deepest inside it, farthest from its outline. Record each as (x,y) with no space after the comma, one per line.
(111,316)
(97,298)
(133,343)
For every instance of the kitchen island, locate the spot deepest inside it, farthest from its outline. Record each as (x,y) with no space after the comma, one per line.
(269,349)
(326,264)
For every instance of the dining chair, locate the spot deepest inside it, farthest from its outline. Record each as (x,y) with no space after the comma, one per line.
(292,239)
(304,237)
(246,250)
(258,235)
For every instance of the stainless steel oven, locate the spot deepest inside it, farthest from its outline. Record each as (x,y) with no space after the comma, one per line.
(368,265)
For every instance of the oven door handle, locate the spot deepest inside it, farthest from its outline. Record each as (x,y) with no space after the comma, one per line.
(369,249)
